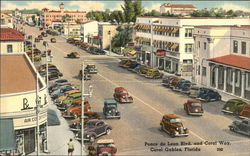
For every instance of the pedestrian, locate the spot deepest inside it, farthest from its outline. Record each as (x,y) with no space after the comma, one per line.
(70,147)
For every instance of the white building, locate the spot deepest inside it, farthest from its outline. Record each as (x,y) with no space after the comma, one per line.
(172,41)
(11,41)
(72,30)
(6,20)
(177,9)
(17,13)
(222,58)
(88,29)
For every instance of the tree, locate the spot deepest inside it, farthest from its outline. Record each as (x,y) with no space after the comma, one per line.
(66,18)
(128,10)
(139,10)
(78,21)
(123,37)
(117,17)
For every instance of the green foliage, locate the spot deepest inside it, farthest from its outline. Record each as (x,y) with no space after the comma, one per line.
(129,11)
(66,18)
(78,21)
(123,37)
(215,12)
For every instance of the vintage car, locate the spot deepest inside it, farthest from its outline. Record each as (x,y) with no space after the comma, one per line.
(70,40)
(241,126)
(54,75)
(106,147)
(77,43)
(75,109)
(110,109)
(93,129)
(91,69)
(133,66)
(73,55)
(153,74)
(43,67)
(99,51)
(183,86)
(53,40)
(48,53)
(233,106)
(40,37)
(174,82)
(172,124)
(207,95)
(37,39)
(166,80)
(76,125)
(143,70)
(194,91)
(37,58)
(121,95)
(193,107)
(72,97)
(61,81)
(128,63)
(61,91)
(245,113)
(137,68)
(122,62)
(59,100)
(37,51)
(87,76)
(54,86)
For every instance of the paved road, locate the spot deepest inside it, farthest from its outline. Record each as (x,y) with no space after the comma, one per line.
(139,123)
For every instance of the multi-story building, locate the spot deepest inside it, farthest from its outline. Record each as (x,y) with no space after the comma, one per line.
(19,89)
(17,13)
(177,9)
(222,58)
(72,30)
(6,20)
(167,43)
(57,15)
(88,29)
(11,41)
(105,34)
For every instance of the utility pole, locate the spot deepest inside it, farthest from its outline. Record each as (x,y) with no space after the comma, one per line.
(37,116)
(110,33)
(32,49)
(82,114)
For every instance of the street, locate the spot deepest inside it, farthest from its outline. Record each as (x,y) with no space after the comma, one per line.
(138,131)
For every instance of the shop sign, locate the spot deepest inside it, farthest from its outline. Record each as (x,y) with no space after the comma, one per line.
(160,52)
(26,104)
(29,121)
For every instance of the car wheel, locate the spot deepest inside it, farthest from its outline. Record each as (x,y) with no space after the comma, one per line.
(92,138)
(108,131)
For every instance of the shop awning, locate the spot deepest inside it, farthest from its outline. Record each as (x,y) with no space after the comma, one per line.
(7,135)
(52,118)
(175,30)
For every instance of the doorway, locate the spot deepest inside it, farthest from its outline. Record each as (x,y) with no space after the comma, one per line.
(29,140)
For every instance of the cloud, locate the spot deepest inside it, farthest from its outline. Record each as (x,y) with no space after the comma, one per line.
(88,5)
(117,6)
(30,5)
(234,7)
(153,6)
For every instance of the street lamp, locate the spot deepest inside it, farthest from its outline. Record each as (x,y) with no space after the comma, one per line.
(82,113)
(110,33)
(37,115)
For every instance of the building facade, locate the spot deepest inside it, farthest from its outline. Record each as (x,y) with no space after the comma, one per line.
(177,9)
(48,16)
(72,30)
(88,29)
(20,86)
(222,58)
(11,41)
(6,20)
(168,44)
(105,34)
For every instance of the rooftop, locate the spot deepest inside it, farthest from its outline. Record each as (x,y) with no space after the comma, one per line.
(16,74)
(233,60)
(179,6)
(218,26)
(9,34)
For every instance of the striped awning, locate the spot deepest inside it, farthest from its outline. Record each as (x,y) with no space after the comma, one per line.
(175,30)
(174,46)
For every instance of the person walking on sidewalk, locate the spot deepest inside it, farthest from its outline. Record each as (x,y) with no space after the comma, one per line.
(70,147)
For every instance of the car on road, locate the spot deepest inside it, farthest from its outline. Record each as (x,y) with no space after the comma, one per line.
(75,109)
(73,55)
(37,58)
(183,86)
(54,75)
(174,82)
(87,76)
(106,147)
(193,107)
(94,129)
(76,126)
(44,34)
(48,53)
(99,51)
(70,40)
(43,67)
(137,68)
(121,95)
(166,80)
(133,66)
(122,62)
(207,95)
(128,63)
(172,124)
(37,39)
(53,40)
(153,74)
(59,100)
(241,126)
(110,109)
(61,81)
(54,86)
(91,69)
(245,113)
(143,70)
(71,98)
(233,106)
(194,91)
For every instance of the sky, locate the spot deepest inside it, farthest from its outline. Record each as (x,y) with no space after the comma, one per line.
(88,5)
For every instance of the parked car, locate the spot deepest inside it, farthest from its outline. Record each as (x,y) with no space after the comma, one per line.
(122,62)
(133,66)
(59,100)
(37,39)
(174,82)
(99,51)
(137,68)
(241,126)
(53,40)
(183,86)
(61,81)
(43,67)
(207,95)
(37,51)
(94,128)
(76,126)
(143,70)
(75,109)
(54,86)
(77,43)
(106,147)
(245,113)
(91,69)
(40,37)
(87,76)
(193,107)
(194,91)
(172,125)
(233,106)
(166,80)
(72,97)
(54,75)
(73,55)
(121,95)
(153,74)
(70,40)
(61,91)
(110,109)
(37,58)
(128,63)
(48,53)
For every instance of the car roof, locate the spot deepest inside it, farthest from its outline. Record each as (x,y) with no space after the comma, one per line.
(94,120)
(236,100)
(173,116)
(105,141)
(110,101)
(193,100)
(120,88)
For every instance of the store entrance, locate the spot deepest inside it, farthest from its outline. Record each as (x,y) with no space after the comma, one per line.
(29,140)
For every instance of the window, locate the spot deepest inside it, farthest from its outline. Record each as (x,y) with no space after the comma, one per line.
(205,45)
(199,44)
(247,81)
(189,61)
(2,21)
(188,47)
(199,69)
(243,48)
(9,48)
(235,46)
(188,32)
(204,71)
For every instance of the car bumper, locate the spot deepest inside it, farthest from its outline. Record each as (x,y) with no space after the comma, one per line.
(92,72)
(112,117)
(227,111)
(180,135)
(196,114)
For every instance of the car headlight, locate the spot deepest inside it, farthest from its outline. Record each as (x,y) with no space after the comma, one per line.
(116,111)
(109,111)
(76,134)
(196,110)
(177,128)
(227,108)
(176,132)
(87,136)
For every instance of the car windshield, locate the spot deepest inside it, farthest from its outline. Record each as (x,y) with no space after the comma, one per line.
(105,145)
(196,104)
(175,120)
(91,124)
(111,107)
(122,92)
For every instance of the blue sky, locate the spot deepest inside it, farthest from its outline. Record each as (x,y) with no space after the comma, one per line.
(114,5)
